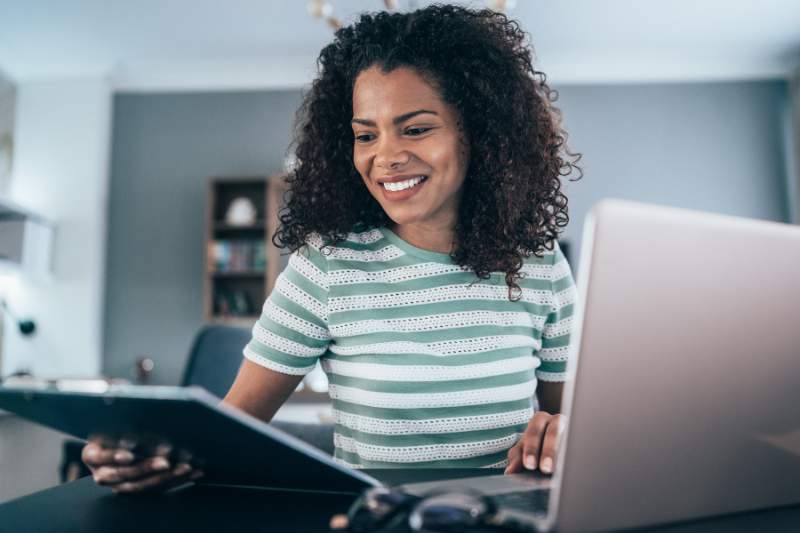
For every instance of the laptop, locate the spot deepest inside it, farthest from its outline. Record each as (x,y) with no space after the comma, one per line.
(684,394)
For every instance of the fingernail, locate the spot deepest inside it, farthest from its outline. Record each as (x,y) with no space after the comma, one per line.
(339,521)
(181,469)
(547,465)
(159,463)
(123,456)
(530,462)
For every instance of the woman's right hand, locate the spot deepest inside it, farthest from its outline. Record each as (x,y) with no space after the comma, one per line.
(113,464)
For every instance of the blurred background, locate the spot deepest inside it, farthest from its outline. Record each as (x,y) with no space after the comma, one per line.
(142,146)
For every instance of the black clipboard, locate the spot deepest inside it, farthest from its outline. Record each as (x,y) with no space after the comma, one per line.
(232,447)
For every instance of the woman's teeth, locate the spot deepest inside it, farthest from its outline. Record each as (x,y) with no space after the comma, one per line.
(400,185)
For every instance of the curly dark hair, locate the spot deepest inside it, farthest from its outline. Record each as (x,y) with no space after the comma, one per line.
(481,63)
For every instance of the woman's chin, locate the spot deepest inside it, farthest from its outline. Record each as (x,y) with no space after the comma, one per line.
(404,219)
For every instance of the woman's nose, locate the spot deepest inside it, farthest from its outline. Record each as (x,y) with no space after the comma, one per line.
(390,155)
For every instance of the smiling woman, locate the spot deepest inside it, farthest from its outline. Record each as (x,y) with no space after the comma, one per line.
(423,217)
(424,275)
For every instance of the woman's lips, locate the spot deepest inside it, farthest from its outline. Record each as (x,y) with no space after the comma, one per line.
(396,196)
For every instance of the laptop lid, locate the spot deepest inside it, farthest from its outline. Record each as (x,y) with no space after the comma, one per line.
(686,369)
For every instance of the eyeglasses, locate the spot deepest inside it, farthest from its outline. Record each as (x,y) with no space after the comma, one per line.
(461,510)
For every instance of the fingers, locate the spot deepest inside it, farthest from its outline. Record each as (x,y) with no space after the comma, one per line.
(114,463)
(532,439)
(538,446)
(550,444)
(112,475)
(94,454)
(182,473)
(514,459)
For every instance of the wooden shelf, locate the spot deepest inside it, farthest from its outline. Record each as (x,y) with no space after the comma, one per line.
(237,296)
(224,226)
(241,274)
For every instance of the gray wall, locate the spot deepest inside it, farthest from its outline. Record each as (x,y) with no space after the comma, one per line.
(164,148)
(714,146)
(7,112)
(30,457)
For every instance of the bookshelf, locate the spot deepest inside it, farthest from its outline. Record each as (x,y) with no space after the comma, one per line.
(241,263)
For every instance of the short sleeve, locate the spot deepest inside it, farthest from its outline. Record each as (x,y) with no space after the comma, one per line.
(292,332)
(558,327)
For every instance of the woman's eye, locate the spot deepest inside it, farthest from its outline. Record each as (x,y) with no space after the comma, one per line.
(364,137)
(417,131)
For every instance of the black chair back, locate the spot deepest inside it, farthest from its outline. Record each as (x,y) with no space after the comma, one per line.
(215,358)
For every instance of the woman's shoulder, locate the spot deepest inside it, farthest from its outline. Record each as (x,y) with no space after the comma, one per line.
(354,243)
(550,265)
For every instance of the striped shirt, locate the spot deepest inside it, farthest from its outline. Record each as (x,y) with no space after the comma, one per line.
(427,365)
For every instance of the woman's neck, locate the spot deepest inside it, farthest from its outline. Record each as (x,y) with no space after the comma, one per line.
(434,239)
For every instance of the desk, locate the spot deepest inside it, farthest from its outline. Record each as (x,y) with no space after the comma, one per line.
(84,507)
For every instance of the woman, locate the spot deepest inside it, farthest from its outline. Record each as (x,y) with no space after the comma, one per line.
(424,274)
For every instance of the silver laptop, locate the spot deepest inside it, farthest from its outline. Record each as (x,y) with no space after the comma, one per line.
(685,393)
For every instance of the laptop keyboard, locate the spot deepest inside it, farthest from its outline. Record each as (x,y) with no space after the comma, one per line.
(529,501)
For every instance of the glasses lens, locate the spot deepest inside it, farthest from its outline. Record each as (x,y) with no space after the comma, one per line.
(449,512)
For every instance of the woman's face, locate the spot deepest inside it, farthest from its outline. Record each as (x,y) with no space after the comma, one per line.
(404,132)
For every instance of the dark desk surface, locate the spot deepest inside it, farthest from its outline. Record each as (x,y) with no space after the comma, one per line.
(84,507)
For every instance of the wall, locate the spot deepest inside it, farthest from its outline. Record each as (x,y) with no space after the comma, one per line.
(712,146)
(165,147)
(62,133)
(7,107)
(792,142)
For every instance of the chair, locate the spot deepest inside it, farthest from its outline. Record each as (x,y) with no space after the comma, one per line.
(214,358)
(213,362)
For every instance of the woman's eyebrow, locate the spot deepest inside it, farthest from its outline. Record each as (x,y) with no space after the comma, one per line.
(396,120)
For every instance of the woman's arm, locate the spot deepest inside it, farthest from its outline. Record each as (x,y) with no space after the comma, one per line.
(260,391)
(549,395)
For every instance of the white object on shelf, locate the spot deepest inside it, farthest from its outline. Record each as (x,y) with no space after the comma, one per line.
(241,212)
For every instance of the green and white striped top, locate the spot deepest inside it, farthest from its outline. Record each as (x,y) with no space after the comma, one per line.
(427,365)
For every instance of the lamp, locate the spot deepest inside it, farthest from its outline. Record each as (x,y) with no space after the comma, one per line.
(26,327)
(323,9)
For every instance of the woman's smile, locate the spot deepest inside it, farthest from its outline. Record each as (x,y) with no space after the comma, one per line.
(402,188)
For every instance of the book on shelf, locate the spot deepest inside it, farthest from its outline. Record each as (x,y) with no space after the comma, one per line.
(237,255)
(233,303)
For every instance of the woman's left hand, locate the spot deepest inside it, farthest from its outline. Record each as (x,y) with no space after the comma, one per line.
(538,445)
